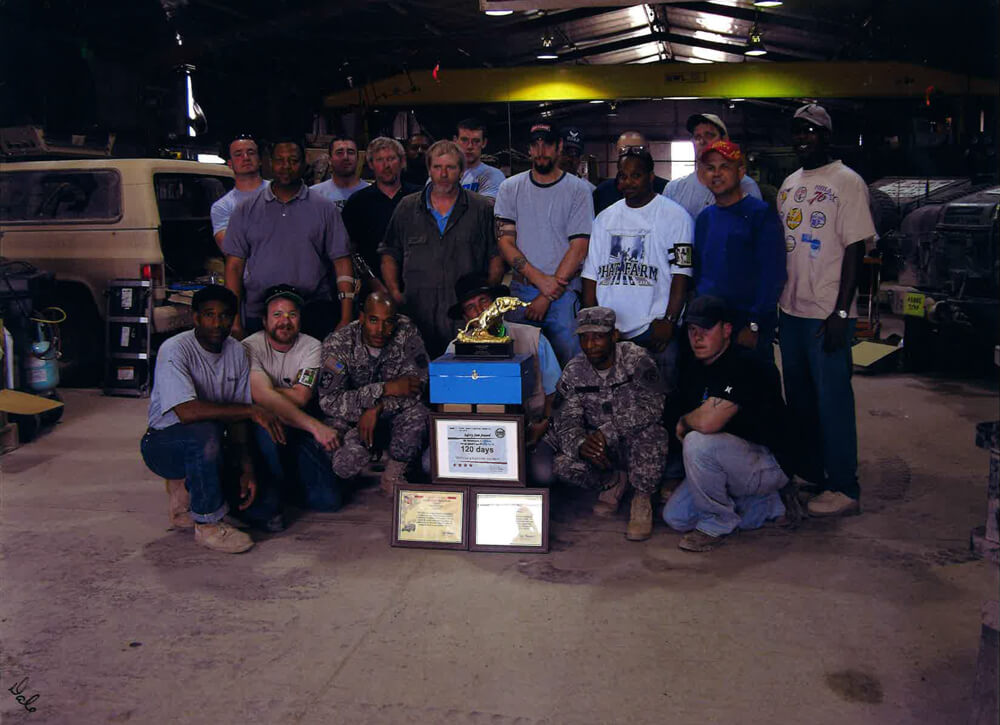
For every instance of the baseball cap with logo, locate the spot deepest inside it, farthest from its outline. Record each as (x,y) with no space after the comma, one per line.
(285,291)
(545,131)
(572,138)
(727,149)
(595,319)
(815,114)
(706,118)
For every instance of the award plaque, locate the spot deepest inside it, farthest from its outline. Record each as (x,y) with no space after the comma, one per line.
(430,517)
(509,519)
(482,449)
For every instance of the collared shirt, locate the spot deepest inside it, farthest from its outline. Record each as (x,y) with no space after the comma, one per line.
(366,216)
(441,219)
(222,209)
(293,242)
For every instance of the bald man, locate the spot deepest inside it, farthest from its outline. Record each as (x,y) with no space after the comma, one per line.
(607,192)
(372,374)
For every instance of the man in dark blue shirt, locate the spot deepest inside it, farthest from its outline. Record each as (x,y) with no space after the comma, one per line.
(739,252)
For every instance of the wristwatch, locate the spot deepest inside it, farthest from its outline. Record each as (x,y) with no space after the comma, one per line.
(842,314)
(345,295)
(671,318)
(754,327)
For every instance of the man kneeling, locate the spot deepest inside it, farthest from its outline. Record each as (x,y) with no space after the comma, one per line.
(373,371)
(607,433)
(733,435)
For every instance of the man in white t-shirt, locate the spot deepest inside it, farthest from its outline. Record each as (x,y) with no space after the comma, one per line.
(343,179)
(244,160)
(477,176)
(639,262)
(823,208)
(284,370)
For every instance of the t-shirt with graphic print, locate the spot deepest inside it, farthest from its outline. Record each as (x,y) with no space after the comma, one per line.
(633,256)
(483,179)
(822,212)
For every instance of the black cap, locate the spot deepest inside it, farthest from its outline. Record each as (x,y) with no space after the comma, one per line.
(545,131)
(572,138)
(706,312)
(285,291)
(468,286)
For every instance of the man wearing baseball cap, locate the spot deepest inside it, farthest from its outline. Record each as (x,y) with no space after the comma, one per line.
(607,433)
(732,433)
(544,218)
(823,208)
(739,250)
(284,371)
(691,191)
(572,152)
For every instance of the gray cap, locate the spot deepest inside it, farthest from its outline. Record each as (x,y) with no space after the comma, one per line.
(595,319)
(706,118)
(706,312)
(816,114)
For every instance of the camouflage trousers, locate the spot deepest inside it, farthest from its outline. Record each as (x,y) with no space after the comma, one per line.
(642,455)
(407,431)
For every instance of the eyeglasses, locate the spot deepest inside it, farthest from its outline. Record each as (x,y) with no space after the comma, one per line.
(630,150)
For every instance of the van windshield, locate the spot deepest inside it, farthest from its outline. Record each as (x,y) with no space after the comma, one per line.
(60,196)
(185,205)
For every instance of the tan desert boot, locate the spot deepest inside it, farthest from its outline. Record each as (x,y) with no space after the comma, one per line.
(392,475)
(640,523)
(220,536)
(610,498)
(179,503)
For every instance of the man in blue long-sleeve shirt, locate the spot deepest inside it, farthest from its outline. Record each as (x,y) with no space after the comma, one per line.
(739,252)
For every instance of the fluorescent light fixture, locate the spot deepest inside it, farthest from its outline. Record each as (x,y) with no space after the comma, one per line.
(681,98)
(737,100)
(501,13)
(767,3)
(595,101)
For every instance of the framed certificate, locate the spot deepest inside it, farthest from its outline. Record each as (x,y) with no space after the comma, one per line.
(487,450)
(509,519)
(430,517)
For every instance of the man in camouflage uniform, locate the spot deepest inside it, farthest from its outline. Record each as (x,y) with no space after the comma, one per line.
(607,432)
(373,371)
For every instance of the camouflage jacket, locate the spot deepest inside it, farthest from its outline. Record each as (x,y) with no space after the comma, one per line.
(629,399)
(351,379)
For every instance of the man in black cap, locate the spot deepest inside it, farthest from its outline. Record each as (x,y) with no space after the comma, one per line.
(733,435)
(572,152)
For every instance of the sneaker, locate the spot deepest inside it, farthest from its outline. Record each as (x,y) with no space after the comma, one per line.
(178,504)
(699,541)
(394,473)
(222,537)
(640,522)
(833,503)
(610,498)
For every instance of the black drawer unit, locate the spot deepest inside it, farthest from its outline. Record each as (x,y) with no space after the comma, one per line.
(128,358)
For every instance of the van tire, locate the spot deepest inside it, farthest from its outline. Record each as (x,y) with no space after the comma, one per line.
(81,337)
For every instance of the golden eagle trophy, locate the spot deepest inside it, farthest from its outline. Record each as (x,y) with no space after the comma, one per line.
(484,336)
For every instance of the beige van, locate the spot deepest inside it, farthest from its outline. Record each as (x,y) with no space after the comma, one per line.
(93,220)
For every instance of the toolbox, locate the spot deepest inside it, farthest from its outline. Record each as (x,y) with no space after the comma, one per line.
(465,380)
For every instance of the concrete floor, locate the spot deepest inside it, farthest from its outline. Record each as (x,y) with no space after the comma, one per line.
(873,619)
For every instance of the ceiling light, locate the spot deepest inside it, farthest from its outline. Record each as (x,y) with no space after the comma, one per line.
(755,42)
(548,49)
(501,13)
(767,3)
(595,101)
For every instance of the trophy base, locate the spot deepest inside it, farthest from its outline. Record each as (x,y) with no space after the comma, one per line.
(485,350)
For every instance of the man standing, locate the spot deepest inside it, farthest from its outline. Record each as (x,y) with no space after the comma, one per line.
(544,217)
(343,179)
(691,191)
(367,213)
(372,374)
(607,192)
(572,152)
(415,172)
(289,235)
(733,435)
(824,208)
(433,238)
(478,176)
(739,253)
(284,371)
(244,160)
(203,387)
(607,433)
(639,263)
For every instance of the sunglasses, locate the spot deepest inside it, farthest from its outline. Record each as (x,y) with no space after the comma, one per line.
(631,150)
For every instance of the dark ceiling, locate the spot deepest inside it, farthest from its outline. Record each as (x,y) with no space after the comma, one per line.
(265,66)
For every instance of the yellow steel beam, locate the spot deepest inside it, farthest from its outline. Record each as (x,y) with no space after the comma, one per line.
(665,80)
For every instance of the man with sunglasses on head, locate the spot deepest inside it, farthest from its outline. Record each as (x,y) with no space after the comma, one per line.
(607,192)
(692,191)
(543,218)
(244,159)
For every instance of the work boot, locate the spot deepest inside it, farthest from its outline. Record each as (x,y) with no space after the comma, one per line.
(640,523)
(699,541)
(610,498)
(220,536)
(833,503)
(178,503)
(394,473)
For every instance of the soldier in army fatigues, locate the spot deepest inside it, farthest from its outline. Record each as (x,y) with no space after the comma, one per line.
(607,432)
(373,372)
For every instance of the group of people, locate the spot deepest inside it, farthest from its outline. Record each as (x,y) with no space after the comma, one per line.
(651,325)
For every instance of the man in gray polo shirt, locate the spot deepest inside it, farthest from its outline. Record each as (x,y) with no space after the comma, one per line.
(544,217)
(289,235)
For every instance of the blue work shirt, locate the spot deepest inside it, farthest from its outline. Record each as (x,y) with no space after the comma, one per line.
(441,219)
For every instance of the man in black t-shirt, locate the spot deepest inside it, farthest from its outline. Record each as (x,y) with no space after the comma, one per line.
(733,435)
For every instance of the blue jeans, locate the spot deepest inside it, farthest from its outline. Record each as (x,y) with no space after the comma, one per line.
(299,471)
(729,483)
(820,405)
(559,324)
(194,452)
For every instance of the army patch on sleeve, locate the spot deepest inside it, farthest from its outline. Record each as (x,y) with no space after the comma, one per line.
(307,377)
(325,380)
(682,255)
(334,364)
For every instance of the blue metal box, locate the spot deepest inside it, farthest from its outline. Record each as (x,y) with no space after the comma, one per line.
(507,382)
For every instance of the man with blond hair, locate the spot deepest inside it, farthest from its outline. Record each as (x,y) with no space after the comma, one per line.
(434,237)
